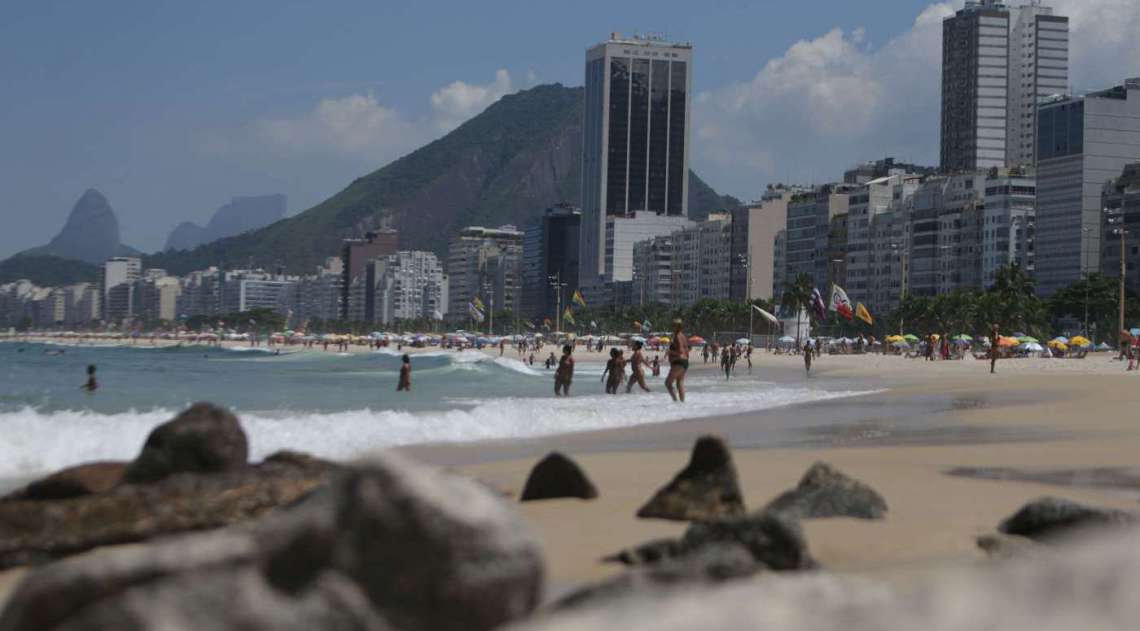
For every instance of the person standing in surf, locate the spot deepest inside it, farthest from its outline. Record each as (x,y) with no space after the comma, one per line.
(565,372)
(405,383)
(637,365)
(678,363)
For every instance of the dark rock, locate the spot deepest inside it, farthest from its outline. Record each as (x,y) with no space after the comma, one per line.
(1049,517)
(999,546)
(705,490)
(38,531)
(826,492)
(202,439)
(208,581)
(648,553)
(774,540)
(431,551)
(557,476)
(711,564)
(84,479)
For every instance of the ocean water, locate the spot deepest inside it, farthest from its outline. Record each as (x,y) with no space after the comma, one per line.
(328,404)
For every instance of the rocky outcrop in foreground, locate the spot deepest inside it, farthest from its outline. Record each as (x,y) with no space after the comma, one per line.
(827,492)
(707,489)
(557,476)
(191,475)
(388,544)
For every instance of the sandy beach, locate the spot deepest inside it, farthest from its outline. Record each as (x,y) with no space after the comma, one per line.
(1066,417)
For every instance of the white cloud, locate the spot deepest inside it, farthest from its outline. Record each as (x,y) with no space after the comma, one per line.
(357,127)
(459,101)
(831,101)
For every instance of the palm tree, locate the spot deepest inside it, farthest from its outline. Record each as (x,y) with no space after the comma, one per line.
(797,296)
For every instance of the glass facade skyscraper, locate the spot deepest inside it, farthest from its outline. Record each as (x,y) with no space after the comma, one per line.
(635,138)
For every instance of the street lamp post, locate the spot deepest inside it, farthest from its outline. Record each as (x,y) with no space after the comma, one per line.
(746,261)
(557,285)
(1120,231)
(1084,272)
(904,259)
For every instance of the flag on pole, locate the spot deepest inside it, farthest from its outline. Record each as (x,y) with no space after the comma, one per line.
(578,299)
(529,325)
(478,304)
(817,306)
(767,316)
(864,315)
(568,315)
(475,312)
(840,303)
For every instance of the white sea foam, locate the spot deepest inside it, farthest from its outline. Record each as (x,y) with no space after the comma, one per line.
(36,441)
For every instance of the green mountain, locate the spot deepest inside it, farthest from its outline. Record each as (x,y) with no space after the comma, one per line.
(47,271)
(503,166)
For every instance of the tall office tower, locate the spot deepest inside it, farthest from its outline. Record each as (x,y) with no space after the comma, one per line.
(551,247)
(355,254)
(635,159)
(975,75)
(1038,69)
(1082,142)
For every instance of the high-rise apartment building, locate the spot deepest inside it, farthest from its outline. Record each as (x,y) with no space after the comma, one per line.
(635,154)
(409,285)
(1121,201)
(119,272)
(487,263)
(975,76)
(355,255)
(551,247)
(754,229)
(1038,69)
(1082,143)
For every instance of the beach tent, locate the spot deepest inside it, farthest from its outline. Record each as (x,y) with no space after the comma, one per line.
(1080,342)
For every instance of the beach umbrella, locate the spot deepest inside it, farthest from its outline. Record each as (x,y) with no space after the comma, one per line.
(1104,347)
(696,340)
(1019,334)
(637,338)
(891,339)
(787,339)
(664,339)
(1032,347)
(1028,339)
(1061,339)
(1007,342)
(744,340)
(910,337)
(901,344)
(1080,342)
(1134,332)
(1058,345)
(962,337)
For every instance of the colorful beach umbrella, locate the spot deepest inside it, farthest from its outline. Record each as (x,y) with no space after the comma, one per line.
(696,340)
(1028,339)
(1080,342)
(1008,342)
(910,337)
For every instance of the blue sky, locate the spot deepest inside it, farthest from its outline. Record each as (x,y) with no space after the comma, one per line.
(171,108)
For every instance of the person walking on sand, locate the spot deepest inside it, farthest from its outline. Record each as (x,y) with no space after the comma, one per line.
(405,383)
(678,363)
(994,347)
(565,373)
(92,385)
(807,356)
(636,369)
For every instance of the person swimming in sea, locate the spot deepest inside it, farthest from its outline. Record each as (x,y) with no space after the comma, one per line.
(405,383)
(92,385)
(565,373)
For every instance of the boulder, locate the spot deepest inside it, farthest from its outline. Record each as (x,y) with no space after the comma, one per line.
(774,540)
(648,552)
(707,489)
(34,531)
(826,492)
(998,546)
(711,564)
(557,476)
(1050,517)
(430,550)
(84,479)
(205,581)
(204,438)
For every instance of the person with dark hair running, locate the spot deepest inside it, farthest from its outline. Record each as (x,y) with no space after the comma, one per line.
(92,385)
(565,372)
(636,369)
(678,363)
(405,383)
